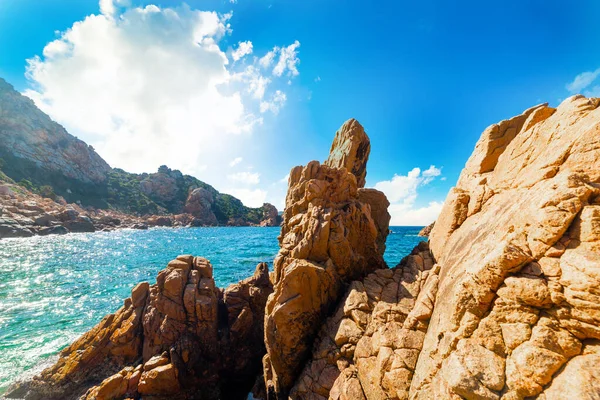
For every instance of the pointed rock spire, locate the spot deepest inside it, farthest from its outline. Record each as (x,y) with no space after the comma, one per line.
(350,150)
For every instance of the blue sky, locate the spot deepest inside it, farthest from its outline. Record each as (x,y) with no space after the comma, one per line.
(163,84)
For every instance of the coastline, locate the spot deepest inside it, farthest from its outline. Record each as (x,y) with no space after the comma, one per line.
(26,214)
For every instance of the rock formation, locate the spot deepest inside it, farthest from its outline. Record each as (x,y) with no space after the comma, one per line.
(43,158)
(350,149)
(199,204)
(501,303)
(368,349)
(504,302)
(177,339)
(30,137)
(270,215)
(518,242)
(330,235)
(426,231)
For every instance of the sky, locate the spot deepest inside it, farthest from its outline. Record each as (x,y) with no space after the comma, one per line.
(237,93)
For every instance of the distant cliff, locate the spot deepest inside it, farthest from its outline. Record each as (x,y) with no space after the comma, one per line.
(43,157)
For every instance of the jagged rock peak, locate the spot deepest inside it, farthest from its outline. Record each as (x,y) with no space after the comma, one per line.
(350,149)
(332,233)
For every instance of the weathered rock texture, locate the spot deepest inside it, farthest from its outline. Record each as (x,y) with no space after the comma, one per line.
(368,349)
(350,149)
(30,136)
(181,338)
(199,204)
(332,233)
(503,303)
(518,242)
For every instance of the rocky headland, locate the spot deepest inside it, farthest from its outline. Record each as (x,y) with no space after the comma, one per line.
(500,303)
(52,183)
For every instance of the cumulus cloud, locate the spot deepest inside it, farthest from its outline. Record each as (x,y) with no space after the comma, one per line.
(148,86)
(235,161)
(408,215)
(244,48)
(402,192)
(247,178)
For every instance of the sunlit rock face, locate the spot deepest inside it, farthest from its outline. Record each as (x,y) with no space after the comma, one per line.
(177,339)
(332,232)
(502,301)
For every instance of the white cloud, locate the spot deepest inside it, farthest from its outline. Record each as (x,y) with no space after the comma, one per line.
(148,86)
(107,7)
(593,92)
(250,197)
(582,81)
(407,215)
(248,178)
(244,48)
(403,187)
(277,101)
(235,161)
(288,60)
(287,63)
(402,192)
(268,58)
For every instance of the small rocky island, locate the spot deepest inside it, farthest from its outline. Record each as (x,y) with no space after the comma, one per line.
(500,303)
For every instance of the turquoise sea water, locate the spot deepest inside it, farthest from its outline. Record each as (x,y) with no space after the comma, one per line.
(54,288)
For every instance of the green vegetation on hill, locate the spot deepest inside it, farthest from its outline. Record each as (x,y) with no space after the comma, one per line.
(163,192)
(42,157)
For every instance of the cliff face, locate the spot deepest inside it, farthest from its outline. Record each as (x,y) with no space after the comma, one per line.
(504,302)
(518,243)
(37,149)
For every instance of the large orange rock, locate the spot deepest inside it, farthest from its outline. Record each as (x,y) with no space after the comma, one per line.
(332,233)
(368,349)
(192,338)
(504,302)
(518,243)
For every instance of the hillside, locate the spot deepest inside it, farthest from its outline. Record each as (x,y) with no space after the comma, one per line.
(41,156)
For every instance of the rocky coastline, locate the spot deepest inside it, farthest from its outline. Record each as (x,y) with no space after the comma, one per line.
(54,183)
(500,303)
(25,214)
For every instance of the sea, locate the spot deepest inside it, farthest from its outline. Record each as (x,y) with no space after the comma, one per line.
(55,288)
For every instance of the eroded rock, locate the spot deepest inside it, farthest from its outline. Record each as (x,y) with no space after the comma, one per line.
(332,233)
(177,339)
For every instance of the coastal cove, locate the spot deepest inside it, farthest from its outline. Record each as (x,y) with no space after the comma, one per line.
(69,282)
